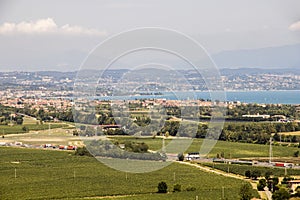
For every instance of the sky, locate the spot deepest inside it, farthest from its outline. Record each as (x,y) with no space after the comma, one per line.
(58,35)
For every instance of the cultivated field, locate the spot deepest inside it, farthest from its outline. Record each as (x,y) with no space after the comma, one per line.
(240,169)
(230,149)
(44,174)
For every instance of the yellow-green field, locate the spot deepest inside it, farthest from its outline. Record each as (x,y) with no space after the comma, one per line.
(40,174)
(30,120)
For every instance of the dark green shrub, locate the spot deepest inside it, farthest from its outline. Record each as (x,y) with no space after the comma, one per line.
(180,157)
(190,188)
(162,187)
(82,151)
(246,192)
(261,184)
(248,174)
(177,188)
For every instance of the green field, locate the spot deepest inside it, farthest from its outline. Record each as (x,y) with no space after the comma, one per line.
(230,149)
(6,129)
(240,169)
(244,150)
(44,174)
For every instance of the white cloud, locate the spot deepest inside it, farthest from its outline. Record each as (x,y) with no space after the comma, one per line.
(47,26)
(295,26)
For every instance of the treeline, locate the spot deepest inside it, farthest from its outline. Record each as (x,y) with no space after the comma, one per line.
(289,111)
(236,112)
(137,151)
(7,115)
(103,114)
(50,114)
(249,132)
(259,133)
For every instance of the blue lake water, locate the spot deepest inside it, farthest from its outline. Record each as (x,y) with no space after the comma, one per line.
(268,97)
(274,97)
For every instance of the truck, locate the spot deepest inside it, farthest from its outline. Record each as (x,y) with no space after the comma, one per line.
(71,147)
(289,165)
(193,156)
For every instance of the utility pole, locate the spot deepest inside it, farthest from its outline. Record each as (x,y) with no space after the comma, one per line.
(285,171)
(174,177)
(270,150)
(49,128)
(223,193)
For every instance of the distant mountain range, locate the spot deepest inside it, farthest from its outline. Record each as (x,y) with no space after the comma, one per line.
(287,56)
(119,72)
(256,71)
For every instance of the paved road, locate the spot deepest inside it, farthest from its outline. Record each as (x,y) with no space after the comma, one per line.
(268,194)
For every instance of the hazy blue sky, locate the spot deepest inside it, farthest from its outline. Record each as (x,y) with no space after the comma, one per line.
(57,35)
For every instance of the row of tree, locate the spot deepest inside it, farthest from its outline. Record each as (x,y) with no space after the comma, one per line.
(136,151)
(250,132)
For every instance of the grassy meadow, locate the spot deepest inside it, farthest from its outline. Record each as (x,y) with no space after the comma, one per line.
(31,124)
(7,129)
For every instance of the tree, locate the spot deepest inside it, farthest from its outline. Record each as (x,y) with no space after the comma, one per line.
(268,175)
(82,151)
(261,184)
(275,181)
(248,174)
(222,154)
(297,191)
(162,187)
(255,174)
(246,192)
(143,147)
(286,179)
(19,120)
(75,132)
(190,188)
(281,194)
(25,129)
(180,157)
(296,154)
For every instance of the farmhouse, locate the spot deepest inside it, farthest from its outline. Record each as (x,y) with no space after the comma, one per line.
(110,126)
(257,116)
